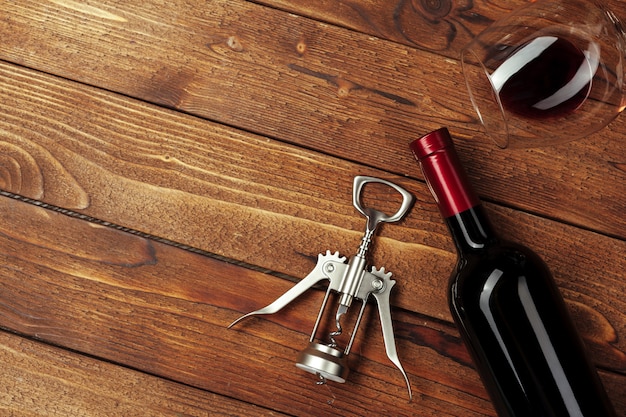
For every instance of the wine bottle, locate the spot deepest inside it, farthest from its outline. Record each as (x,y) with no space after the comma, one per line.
(508,309)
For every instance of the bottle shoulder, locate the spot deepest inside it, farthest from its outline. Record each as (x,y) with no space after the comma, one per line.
(500,250)
(507,277)
(509,261)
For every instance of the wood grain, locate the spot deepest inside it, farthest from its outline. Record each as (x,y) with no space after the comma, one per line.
(319,86)
(444,26)
(164,311)
(243,197)
(234,129)
(38,380)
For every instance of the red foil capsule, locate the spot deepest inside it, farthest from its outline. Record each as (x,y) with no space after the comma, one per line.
(440,165)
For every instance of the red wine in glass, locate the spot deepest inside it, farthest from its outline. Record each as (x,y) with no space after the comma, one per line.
(547,77)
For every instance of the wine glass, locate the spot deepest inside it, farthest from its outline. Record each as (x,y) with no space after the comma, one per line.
(550,72)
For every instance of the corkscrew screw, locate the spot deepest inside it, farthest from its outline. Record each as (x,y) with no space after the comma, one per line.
(350,280)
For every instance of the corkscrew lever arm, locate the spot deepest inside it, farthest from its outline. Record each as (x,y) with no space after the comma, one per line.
(384,312)
(319,273)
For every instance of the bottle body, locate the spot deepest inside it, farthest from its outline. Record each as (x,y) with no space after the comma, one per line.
(508,309)
(516,326)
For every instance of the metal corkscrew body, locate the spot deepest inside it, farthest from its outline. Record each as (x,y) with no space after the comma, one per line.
(350,280)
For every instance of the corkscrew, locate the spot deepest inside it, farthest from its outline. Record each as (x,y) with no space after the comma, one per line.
(349,280)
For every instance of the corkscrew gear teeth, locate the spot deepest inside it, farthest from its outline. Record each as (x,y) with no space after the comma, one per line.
(351,280)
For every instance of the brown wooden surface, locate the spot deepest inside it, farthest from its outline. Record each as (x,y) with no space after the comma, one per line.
(218,140)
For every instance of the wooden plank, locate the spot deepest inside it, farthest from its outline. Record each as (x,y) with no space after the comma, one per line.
(443,26)
(156,308)
(254,200)
(322,87)
(40,380)
(164,311)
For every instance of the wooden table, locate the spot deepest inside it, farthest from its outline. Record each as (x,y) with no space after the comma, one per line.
(168,166)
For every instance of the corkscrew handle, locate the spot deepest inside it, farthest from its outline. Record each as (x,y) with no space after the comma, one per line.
(374,217)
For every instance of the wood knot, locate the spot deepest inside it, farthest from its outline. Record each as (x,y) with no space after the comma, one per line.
(344,87)
(431,24)
(234,43)
(301,46)
(436,8)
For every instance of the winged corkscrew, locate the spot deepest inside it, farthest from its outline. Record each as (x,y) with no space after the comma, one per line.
(351,280)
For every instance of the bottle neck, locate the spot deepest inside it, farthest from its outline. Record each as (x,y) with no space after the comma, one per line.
(448,182)
(471,229)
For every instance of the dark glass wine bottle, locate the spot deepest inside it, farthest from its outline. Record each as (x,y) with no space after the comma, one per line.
(507,306)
